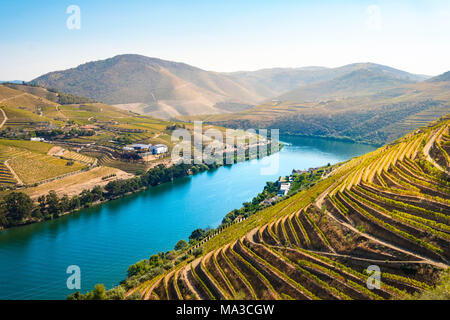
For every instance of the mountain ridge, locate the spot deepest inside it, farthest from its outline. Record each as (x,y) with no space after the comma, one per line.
(355,83)
(167,89)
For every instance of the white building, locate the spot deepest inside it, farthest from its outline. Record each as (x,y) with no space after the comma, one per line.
(140,146)
(284,189)
(37,139)
(159,149)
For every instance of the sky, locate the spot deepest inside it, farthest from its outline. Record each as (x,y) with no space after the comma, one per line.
(37,37)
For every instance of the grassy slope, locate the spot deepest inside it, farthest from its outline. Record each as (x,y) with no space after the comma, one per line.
(376,118)
(330,238)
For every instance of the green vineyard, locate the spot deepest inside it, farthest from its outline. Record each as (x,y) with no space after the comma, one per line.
(389,208)
(27,162)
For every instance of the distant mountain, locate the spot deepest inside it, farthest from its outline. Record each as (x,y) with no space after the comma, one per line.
(356,83)
(277,81)
(12,81)
(49,94)
(375,118)
(168,89)
(441,78)
(151,86)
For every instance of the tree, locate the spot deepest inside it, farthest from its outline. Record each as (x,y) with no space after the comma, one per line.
(99,292)
(52,202)
(65,203)
(18,206)
(86,197)
(181,245)
(197,252)
(117,293)
(197,234)
(97,192)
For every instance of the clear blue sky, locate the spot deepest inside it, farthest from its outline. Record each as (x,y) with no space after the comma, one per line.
(226,35)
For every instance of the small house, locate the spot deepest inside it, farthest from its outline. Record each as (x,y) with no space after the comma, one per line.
(37,139)
(140,146)
(284,189)
(159,149)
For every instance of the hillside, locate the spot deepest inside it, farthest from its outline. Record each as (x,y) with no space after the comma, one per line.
(149,85)
(374,118)
(84,139)
(276,81)
(356,83)
(168,89)
(49,94)
(389,208)
(443,77)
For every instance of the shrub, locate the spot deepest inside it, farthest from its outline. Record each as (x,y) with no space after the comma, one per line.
(197,251)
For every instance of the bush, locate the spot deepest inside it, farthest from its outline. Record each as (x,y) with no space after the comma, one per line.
(182,244)
(197,251)
(117,293)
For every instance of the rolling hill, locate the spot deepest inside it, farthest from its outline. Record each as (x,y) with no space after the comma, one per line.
(389,208)
(276,81)
(356,83)
(89,134)
(168,89)
(443,77)
(376,118)
(149,85)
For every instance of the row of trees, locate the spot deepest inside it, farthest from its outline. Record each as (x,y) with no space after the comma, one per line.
(157,175)
(17,208)
(73,132)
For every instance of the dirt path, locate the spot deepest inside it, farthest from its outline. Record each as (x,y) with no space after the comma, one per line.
(319,202)
(189,284)
(5,118)
(19,181)
(367,260)
(386,244)
(56,150)
(426,151)
(4,114)
(61,113)
(16,96)
(75,184)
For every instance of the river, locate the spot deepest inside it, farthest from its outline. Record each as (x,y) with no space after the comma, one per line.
(104,240)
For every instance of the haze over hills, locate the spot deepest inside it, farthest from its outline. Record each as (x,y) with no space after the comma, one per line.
(150,86)
(276,81)
(168,89)
(12,81)
(356,83)
(440,78)
(377,117)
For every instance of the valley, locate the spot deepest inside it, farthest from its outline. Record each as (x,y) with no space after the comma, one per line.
(66,149)
(388,208)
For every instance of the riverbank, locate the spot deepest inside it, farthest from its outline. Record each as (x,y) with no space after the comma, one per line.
(51,206)
(105,240)
(185,252)
(334,138)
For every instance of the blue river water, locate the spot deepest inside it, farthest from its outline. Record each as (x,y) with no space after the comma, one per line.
(104,240)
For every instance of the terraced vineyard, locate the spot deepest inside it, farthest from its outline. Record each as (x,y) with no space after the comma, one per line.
(389,208)
(6,177)
(26,162)
(79,157)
